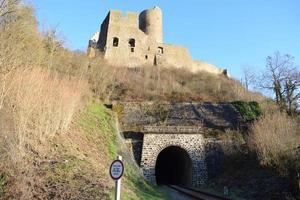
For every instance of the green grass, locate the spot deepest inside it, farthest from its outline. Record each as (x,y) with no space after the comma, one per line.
(71,163)
(133,184)
(2,183)
(139,187)
(74,170)
(100,119)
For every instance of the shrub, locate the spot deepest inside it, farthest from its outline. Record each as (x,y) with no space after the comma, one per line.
(275,137)
(21,43)
(37,106)
(248,110)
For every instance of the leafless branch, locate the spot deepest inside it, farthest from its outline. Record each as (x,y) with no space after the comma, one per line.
(282,77)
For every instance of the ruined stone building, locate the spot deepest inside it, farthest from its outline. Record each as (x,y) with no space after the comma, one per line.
(136,39)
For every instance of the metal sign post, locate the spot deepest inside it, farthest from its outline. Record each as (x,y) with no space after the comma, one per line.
(116,172)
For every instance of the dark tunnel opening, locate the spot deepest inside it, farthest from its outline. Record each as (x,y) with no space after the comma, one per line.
(173,166)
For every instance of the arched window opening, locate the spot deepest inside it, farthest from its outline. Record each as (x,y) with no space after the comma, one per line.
(131,42)
(160,50)
(115,41)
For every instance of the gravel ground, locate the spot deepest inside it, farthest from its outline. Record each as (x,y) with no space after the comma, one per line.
(176,195)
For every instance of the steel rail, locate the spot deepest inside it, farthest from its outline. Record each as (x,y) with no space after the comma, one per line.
(196,194)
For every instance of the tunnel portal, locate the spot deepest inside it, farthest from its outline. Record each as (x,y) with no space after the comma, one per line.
(173,166)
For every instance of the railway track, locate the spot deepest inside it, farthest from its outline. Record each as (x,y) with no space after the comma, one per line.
(195,194)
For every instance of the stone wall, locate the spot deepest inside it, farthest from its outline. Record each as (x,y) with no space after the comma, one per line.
(175,56)
(208,115)
(214,156)
(151,127)
(193,144)
(134,142)
(146,29)
(124,28)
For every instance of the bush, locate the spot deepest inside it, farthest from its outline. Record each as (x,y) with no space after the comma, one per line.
(40,90)
(37,106)
(248,110)
(275,137)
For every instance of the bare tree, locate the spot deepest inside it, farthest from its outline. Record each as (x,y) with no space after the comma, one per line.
(292,93)
(52,44)
(249,77)
(282,77)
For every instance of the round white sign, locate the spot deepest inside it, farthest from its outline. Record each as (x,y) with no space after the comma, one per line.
(116,169)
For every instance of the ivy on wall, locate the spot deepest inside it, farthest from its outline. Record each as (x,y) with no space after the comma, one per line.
(248,110)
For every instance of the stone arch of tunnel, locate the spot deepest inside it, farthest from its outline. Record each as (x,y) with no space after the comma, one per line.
(192,144)
(173,166)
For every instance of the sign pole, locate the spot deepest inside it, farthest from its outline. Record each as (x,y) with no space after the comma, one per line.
(118,185)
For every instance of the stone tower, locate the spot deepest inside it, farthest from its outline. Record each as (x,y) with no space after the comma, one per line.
(150,22)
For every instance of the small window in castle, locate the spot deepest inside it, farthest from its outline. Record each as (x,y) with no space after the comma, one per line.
(146,56)
(160,50)
(131,42)
(132,49)
(115,41)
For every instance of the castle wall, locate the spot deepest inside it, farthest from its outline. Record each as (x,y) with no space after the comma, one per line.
(124,53)
(179,57)
(174,56)
(103,33)
(134,40)
(199,66)
(125,28)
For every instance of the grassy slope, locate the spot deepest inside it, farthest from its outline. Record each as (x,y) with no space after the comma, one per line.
(77,164)
(148,83)
(134,186)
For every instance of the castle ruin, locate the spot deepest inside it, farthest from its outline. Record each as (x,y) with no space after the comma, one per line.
(136,39)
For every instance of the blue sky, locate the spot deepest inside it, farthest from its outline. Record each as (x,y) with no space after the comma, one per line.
(228,33)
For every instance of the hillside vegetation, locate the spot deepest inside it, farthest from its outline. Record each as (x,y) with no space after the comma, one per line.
(56,142)
(156,83)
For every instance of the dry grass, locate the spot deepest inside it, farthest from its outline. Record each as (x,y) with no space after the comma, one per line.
(166,84)
(21,44)
(102,78)
(37,106)
(275,137)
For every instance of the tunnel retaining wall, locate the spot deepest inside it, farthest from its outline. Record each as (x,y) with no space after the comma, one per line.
(193,144)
